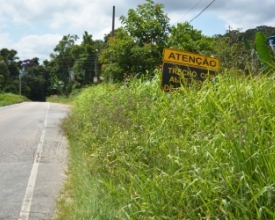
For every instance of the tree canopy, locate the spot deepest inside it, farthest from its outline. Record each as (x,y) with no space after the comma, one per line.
(135,49)
(137,46)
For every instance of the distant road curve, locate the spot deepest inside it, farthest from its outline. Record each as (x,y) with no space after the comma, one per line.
(33,158)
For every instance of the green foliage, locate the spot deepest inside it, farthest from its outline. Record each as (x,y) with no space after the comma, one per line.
(1,82)
(63,59)
(232,54)
(4,73)
(262,49)
(235,50)
(147,24)
(246,44)
(86,67)
(9,99)
(9,57)
(117,57)
(250,33)
(137,46)
(35,84)
(261,54)
(76,65)
(185,37)
(138,153)
(34,79)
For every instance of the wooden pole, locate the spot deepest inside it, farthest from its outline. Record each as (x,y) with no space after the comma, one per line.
(113,22)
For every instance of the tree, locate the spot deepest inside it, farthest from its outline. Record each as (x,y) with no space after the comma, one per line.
(4,74)
(85,56)
(137,47)
(28,63)
(63,58)
(117,58)
(10,58)
(74,65)
(87,39)
(185,37)
(147,24)
(230,49)
(36,83)
(9,80)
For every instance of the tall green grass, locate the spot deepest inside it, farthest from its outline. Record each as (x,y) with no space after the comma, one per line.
(62,98)
(138,153)
(9,99)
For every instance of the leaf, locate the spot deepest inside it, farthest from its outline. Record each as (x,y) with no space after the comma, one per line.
(262,49)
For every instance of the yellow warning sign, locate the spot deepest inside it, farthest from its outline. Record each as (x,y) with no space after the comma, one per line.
(191,59)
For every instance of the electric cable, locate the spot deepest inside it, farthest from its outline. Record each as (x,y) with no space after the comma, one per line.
(202,11)
(189,10)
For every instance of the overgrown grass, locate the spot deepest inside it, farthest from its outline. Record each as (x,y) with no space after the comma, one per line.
(138,153)
(63,98)
(58,99)
(9,99)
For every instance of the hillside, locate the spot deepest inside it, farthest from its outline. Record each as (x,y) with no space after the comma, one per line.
(9,99)
(238,35)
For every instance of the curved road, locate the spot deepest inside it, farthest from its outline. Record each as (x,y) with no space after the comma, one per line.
(33,158)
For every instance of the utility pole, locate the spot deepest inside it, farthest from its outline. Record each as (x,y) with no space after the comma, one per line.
(19,84)
(96,74)
(113,34)
(113,22)
(21,73)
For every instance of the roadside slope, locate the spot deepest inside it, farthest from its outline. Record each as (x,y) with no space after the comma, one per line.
(138,153)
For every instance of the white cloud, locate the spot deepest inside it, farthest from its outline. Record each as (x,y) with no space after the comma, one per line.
(36,46)
(33,11)
(243,14)
(247,14)
(5,40)
(33,27)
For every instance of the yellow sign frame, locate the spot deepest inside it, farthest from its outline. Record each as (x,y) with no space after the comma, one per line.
(191,59)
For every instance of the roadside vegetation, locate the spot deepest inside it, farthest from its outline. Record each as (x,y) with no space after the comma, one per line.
(62,98)
(9,99)
(134,48)
(139,153)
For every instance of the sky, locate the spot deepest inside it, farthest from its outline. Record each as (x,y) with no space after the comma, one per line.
(34,27)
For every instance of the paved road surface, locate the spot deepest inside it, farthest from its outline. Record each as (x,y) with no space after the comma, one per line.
(33,158)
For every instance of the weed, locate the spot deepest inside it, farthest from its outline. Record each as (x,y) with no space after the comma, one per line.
(139,153)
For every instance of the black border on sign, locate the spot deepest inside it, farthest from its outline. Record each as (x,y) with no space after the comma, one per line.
(186,75)
(198,55)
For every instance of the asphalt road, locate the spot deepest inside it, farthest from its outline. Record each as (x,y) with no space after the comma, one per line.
(33,159)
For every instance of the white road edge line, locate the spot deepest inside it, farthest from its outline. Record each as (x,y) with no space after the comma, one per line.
(26,206)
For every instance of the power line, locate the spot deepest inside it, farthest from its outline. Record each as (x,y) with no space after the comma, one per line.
(202,11)
(190,10)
